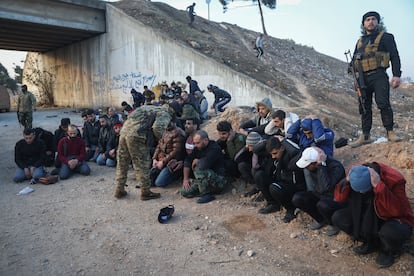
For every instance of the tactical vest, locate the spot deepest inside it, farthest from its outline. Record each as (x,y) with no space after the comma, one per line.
(371,58)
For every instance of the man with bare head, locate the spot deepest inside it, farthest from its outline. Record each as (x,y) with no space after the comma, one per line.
(205,162)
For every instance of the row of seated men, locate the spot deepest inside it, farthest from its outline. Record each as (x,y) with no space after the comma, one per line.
(290,161)
(68,148)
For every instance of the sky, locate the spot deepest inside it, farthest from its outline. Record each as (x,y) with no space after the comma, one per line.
(329,26)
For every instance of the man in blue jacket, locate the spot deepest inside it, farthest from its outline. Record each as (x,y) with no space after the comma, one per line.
(311,132)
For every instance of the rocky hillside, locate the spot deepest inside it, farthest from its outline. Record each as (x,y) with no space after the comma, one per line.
(317,82)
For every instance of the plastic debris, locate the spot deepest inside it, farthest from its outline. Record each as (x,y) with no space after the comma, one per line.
(26,191)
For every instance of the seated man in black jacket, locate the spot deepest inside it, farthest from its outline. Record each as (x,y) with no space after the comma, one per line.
(29,155)
(281,178)
(205,162)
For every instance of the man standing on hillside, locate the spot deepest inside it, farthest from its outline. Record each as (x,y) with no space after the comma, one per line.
(26,103)
(373,52)
(191,13)
(259,46)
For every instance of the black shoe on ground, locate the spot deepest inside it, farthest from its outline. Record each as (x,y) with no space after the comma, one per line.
(148,195)
(332,230)
(316,225)
(364,249)
(251,192)
(205,199)
(290,215)
(270,208)
(385,259)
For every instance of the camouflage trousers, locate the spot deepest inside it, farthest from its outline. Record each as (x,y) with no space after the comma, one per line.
(132,149)
(26,119)
(208,181)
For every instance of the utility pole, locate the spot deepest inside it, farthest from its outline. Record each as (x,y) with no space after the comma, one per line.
(208,4)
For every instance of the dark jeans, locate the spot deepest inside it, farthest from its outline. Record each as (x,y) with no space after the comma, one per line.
(283,193)
(263,181)
(377,84)
(392,233)
(231,168)
(327,207)
(245,169)
(307,201)
(276,193)
(220,104)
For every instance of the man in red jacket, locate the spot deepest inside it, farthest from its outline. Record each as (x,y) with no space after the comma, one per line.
(378,213)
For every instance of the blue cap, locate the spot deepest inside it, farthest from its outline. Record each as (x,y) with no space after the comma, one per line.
(360,179)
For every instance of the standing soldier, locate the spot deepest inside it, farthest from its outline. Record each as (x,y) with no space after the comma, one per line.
(26,104)
(373,52)
(144,126)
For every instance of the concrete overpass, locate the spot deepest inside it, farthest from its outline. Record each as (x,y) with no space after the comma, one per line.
(45,25)
(96,54)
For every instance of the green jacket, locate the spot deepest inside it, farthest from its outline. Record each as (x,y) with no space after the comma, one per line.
(235,145)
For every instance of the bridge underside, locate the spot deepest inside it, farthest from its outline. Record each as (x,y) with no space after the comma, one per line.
(44,25)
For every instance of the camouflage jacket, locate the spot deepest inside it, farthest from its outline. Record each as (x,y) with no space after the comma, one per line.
(26,102)
(141,117)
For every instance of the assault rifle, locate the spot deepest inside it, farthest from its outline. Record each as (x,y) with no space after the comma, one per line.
(359,84)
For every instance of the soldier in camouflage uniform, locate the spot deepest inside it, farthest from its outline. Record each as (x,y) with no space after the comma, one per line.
(206,163)
(26,104)
(140,131)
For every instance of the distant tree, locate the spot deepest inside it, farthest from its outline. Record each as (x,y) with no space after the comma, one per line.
(271,4)
(42,78)
(5,79)
(18,71)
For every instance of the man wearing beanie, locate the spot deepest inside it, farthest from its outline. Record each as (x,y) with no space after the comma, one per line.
(378,212)
(256,146)
(372,54)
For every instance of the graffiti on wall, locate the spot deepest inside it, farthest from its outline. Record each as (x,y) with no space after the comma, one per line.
(126,81)
(122,82)
(99,83)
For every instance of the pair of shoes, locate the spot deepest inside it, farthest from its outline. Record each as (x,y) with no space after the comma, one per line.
(205,198)
(120,193)
(316,225)
(251,192)
(364,249)
(385,259)
(147,195)
(270,208)
(332,230)
(290,215)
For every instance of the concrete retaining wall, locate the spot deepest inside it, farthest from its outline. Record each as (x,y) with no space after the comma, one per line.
(101,71)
